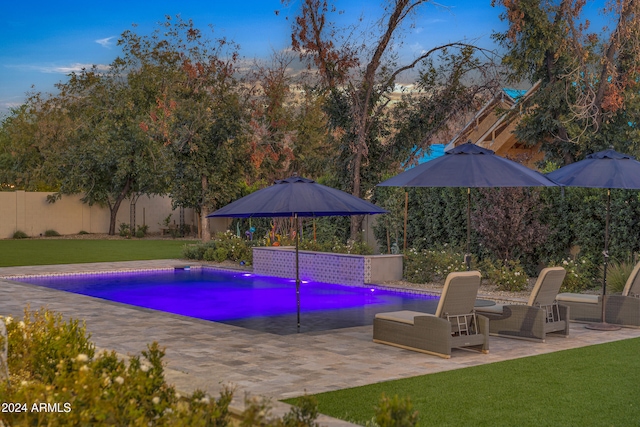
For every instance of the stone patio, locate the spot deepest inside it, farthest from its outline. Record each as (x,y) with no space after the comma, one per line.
(207,355)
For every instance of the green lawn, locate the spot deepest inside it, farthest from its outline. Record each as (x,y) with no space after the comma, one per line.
(590,386)
(62,251)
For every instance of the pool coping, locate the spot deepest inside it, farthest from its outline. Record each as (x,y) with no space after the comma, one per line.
(14,277)
(180,266)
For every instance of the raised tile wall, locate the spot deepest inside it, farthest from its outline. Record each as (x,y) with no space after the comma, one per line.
(327,267)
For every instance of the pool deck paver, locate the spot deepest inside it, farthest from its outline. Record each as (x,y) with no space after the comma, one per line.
(207,355)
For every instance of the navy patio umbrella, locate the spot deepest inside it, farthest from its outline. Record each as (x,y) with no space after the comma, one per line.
(604,169)
(470,166)
(297,197)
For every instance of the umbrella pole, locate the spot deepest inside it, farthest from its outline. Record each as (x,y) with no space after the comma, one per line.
(297,273)
(406,214)
(467,256)
(603,325)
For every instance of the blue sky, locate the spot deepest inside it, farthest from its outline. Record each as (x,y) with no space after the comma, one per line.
(43,41)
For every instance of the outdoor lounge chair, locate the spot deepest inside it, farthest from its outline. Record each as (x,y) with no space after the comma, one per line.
(455,323)
(541,316)
(621,309)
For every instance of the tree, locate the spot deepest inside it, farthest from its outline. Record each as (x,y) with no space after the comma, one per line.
(273,137)
(108,157)
(359,78)
(30,138)
(311,151)
(508,222)
(288,122)
(589,81)
(200,112)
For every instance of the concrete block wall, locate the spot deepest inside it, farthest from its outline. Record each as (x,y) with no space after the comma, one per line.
(31,213)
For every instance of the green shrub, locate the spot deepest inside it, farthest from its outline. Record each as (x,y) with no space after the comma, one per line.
(303,413)
(227,246)
(509,276)
(81,232)
(314,245)
(53,361)
(417,266)
(20,235)
(43,340)
(241,252)
(333,245)
(124,230)
(395,412)
(221,254)
(432,264)
(209,254)
(51,233)
(195,251)
(359,248)
(446,260)
(141,231)
(224,247)
(617,275)
(579,274)
(258,413)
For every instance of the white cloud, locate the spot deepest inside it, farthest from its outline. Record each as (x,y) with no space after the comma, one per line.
(8,105)
(416,47)
(59,69)
(106,42)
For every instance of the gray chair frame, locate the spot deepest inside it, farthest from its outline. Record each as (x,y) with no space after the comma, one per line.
(541,316)
(455,323)
(623,310)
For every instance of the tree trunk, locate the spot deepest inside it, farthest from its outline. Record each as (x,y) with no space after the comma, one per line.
(356,227)
(356,220)
(116,205)
(204,211)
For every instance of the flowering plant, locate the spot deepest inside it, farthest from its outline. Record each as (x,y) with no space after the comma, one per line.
(507,276)
(432,264)
(579,274)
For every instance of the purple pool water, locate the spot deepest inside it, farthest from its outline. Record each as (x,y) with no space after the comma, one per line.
(256,302)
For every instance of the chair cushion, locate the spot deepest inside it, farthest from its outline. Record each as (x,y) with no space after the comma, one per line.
(547,286)
(580,298)
(459,293)
(403,316)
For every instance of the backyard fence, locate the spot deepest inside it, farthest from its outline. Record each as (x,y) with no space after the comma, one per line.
(31,213)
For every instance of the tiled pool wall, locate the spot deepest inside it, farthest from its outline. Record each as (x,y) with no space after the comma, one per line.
(327,267)
(153,270)
(122,271)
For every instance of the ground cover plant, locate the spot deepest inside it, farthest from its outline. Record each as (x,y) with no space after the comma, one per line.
(595,385)
(57,378)
(70,251)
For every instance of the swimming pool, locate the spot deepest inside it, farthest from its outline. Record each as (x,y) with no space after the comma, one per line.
(261,303)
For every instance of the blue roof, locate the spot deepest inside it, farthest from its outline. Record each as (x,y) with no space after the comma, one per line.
(514,93)
(435,150)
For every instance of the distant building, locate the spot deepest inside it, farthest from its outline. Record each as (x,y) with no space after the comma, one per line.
(492,128)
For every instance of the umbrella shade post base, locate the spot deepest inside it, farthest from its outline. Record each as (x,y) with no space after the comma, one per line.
(603,326)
